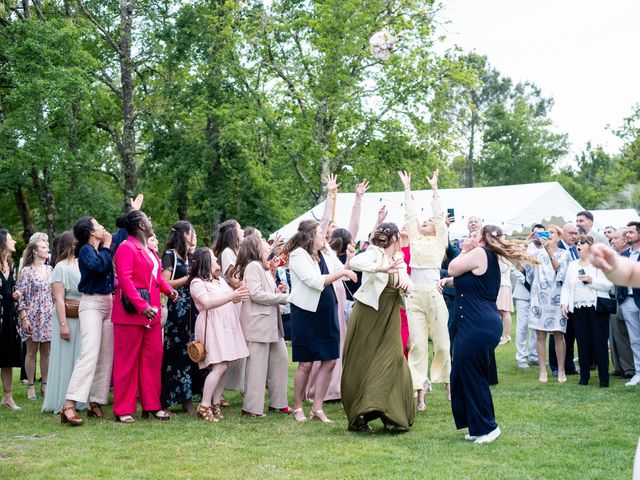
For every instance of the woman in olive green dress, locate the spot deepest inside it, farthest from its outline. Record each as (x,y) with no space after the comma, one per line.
(376,381)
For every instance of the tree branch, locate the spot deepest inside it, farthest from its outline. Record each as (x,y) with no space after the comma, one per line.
(104,33)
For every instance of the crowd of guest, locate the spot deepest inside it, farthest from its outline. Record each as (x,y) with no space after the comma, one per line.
(111,312)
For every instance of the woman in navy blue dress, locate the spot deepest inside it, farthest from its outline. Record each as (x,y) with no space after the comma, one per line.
(479,326)
(315,334)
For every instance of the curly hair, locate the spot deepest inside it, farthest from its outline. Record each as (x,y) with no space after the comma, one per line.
(513,251)
(383,236)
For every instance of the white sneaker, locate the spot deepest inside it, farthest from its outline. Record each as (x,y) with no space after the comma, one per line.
(470,438)
(635,380)
(489,437)
(523,365)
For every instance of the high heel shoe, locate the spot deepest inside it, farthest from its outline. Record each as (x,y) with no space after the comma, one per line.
(298,415)
(95,411)
(125,419)
(7,402)
(319,415)
(43,388)
(31,392)
(224,403)
(158,414)
(73,420)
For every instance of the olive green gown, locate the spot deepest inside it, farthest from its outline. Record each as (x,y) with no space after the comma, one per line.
(376,381)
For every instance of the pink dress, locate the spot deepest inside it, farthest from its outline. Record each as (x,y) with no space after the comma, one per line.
(224,338)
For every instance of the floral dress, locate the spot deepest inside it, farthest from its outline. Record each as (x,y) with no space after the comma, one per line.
(36,299)
(180,376)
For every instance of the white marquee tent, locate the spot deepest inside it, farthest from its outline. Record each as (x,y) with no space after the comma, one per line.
(512,207)
(615,218)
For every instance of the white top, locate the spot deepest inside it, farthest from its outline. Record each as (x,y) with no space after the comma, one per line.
(575,294)
(307,282)
(425,276)
(156,264)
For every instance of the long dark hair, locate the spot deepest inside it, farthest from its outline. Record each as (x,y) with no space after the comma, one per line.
(227,237)
(4,253)
(64,247)
(250,251)
(177,238)
(303,238)
(131,221)
(201,265)
(340,240)
(513,251)
(82,231)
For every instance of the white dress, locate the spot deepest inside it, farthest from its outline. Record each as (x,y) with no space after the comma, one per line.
(546,284)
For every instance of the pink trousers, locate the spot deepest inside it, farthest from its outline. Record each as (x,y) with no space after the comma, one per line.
(137,364)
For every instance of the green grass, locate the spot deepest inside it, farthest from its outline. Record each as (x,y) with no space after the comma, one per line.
(549,431)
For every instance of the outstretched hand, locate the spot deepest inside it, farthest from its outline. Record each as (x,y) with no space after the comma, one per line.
(362,187)
(382,213)
(433,181)
(332,183)
(603,257)
(136,203)
(406,178)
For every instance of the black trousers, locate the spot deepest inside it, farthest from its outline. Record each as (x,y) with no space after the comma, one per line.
(569,339)
(592,334)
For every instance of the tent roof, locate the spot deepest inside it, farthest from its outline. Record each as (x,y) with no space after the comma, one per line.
(512,207)
(617,217)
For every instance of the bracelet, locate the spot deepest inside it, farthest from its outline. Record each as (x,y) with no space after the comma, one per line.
(63,324)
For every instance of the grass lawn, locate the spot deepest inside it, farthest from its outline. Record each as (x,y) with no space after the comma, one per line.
(549,431)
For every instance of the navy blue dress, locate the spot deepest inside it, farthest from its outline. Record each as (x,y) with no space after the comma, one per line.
(478,332)
(316,335)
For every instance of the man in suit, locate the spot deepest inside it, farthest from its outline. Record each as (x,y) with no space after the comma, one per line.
(629,301)
(567,242)
(621,354)
(584,219)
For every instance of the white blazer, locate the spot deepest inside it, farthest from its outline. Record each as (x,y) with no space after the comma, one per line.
(307,282)
(373,283)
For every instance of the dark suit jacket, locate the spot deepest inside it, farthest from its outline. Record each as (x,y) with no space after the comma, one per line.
(572,249)
(621,292)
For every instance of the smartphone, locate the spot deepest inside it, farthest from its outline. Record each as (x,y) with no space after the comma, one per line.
(451,214)
(542,235)
(580,273)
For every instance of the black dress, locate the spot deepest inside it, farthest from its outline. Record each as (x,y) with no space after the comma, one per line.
(478,332)
(316,335)
(181,378)
(9,341)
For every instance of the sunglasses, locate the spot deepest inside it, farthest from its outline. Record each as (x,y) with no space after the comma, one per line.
(582,242)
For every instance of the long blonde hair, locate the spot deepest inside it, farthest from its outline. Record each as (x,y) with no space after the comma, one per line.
(29,254)
(514,251)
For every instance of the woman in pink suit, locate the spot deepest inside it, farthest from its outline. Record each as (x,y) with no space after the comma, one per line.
(137,355)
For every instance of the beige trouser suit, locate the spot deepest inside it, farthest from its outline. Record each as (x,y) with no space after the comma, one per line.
(268,362)
(427,313)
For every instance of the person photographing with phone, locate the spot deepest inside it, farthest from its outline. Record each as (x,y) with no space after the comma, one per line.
(584,298)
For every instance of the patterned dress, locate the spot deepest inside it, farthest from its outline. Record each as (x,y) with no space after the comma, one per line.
(180,376)
(37,301)
(546,284)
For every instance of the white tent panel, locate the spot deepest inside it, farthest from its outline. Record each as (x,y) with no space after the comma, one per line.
(512,207)
(618,217)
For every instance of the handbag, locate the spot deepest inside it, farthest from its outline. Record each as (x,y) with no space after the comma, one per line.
(128,306)
(71,308)
(196,349)
(606,305)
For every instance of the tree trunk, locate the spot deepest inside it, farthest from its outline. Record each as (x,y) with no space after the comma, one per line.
(126,79)
(28,228)
(471,152)
(42,183)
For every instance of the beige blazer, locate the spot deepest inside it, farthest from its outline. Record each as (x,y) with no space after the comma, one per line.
(307,282)
(259,317)
(374,283)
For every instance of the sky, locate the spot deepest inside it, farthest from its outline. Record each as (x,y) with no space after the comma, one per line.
(583,53)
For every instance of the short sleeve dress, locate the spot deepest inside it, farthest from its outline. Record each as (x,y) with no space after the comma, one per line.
(36,299)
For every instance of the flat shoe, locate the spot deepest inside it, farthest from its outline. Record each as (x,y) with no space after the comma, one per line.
(253,415)
(158,414)
(470,438)
(489,437)
(286,410)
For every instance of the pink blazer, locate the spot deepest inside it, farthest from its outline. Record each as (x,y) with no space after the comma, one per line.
(134,270)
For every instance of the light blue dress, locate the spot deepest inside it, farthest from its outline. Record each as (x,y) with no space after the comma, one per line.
(546,284)
(63,352)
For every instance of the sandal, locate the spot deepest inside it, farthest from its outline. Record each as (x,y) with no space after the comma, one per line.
(224,403)
(95,410)
(361,425)
(298,415)
(8,402)
(31,392)
(158,414)
(217,411)
(125,419)
(206,414)
(319,415)
(73,420)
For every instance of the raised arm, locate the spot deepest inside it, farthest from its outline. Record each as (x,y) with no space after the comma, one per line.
(409,214)
(354,221)
(332,191)
(442,230)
